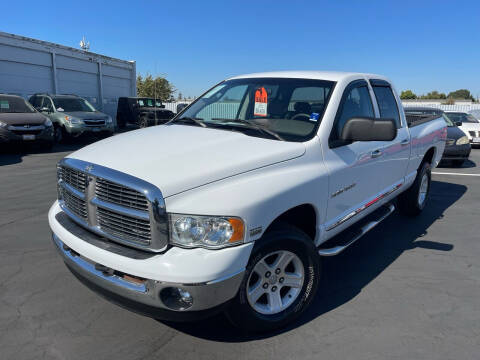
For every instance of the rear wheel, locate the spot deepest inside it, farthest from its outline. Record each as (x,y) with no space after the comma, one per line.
(143,122)
(280,281)
(413,201)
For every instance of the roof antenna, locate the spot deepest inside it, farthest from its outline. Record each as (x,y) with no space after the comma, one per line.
(84,44)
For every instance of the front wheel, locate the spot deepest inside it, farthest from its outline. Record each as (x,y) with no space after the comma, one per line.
(280,281)
(413,201)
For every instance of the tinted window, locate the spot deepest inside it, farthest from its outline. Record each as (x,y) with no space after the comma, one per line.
(35,101)
(47,103)
(356,103)
(467,118)
(291,108)
(10,104)
(387,103)
(72,104)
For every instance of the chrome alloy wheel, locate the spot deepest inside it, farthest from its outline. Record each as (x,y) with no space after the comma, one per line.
(275,282)
(422,193)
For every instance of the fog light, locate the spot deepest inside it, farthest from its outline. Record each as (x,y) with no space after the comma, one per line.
(176,298)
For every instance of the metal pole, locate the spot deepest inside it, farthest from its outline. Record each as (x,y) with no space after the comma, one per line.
(54,72)
(100,83)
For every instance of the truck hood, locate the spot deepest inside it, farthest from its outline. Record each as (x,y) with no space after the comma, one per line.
(177,158)
(22,118)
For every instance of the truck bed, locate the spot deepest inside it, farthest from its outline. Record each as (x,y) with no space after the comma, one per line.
(418,119)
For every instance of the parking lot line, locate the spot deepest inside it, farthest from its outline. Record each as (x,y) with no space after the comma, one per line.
(448,173)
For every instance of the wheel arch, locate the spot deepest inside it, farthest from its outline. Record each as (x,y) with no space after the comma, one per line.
(303,217)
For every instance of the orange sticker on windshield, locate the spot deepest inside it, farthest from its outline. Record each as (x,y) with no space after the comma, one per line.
(260,108)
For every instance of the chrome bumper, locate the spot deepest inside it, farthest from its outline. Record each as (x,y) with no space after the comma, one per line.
(146,293)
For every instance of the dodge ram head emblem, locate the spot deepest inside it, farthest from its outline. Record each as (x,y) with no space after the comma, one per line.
(89,168)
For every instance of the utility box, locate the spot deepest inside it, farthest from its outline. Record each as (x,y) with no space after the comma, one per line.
(29,66)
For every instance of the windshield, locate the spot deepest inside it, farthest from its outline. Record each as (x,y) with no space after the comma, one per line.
(291,109)
(72,104)
(463,117)
(448,121)
(11,104)
(149,103)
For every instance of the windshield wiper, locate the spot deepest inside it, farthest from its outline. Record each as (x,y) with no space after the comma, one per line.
(252,125)
(197,121)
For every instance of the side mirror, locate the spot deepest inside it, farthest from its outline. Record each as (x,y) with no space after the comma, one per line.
(369,129)
(458,123)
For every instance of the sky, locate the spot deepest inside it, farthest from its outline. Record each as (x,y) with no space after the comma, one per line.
(419,45)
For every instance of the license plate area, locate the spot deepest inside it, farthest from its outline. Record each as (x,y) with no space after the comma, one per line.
(28,137)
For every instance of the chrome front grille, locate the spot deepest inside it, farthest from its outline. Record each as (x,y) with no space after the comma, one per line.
(120,195)
(76,205)
(115,205)
(73,177)
(127,227)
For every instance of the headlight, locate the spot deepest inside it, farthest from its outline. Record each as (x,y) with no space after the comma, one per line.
(211,232)
(2,124)
(463,141)
(73,120)
(109,120)
(47,122)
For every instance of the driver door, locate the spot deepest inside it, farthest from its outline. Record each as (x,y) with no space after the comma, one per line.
(354,168)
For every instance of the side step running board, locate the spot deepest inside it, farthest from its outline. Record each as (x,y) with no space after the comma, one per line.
(382,214)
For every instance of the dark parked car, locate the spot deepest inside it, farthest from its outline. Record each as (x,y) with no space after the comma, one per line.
(20,122)
(141,111)
(457,147)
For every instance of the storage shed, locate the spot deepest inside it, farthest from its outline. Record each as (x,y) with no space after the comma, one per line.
(29,66)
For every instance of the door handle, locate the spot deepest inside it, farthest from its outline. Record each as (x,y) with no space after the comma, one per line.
(376,153)
(405,142)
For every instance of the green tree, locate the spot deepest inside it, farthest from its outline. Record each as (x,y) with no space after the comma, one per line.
(408,94)
(158,87)
(434,95)
(461,94)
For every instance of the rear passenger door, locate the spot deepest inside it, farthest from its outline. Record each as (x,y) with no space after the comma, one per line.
(396,153)
(354,168)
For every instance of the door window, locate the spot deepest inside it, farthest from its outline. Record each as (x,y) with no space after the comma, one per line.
(387,104)
(356,102)
(47,103)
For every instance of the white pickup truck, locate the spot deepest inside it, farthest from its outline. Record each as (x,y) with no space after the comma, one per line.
(232,204)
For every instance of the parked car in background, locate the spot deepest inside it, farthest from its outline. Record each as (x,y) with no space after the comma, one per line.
(222,210)
(20,122)
(72,116)
(141,111)
(181,106)
(457,146)
(475,113)
(468,123)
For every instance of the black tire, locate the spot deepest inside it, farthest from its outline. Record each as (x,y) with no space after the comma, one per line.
(409,202)
(143,122)
(282,238)
(458,163)
(60,135)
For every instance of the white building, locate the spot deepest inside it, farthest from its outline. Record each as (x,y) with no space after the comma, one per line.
(29,66)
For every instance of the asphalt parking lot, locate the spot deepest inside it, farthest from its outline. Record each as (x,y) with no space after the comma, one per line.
(408,290)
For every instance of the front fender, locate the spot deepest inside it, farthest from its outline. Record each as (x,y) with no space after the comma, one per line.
(261,195)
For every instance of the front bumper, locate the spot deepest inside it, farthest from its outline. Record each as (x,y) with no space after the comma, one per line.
(135,282)
(80,129)
(33,133)
(456,152)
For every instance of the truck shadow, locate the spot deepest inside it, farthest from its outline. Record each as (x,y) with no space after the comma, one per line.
(345,275)
(13,153)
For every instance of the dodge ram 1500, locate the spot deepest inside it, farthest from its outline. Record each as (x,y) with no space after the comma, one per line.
(232,204)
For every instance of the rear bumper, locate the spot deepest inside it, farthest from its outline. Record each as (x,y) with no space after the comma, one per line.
(43,134)
(456,152)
